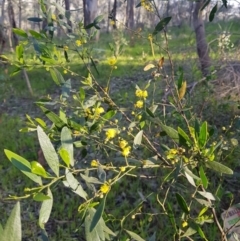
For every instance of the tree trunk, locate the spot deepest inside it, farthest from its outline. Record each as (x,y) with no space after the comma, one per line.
(67,8)
(86,12)
(114,12)
(130,14)
(20,14)
(202,46)
(12,22)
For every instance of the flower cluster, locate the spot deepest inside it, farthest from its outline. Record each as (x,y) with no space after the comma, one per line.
(110,134)
(94,113)
(175,154)
(112,61)
(142,94)
(224,42)
(147,5)
(78,42)
(125,148)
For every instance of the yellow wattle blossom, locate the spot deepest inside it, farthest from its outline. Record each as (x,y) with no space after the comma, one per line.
(171,154)
(65,71)
(111,133)
(105,188)
(122,169)
(184,224)
(139,104)
(112,61)
(126,151)
(99,110)
(65,47)
(54,18)
(123,144)
(94,163)
(141,93)
(78,42)
(147,5)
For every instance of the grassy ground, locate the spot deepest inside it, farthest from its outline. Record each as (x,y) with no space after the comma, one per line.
(15,101)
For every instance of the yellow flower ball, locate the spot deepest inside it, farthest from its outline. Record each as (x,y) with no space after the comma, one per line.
(184,224)
(78,42)
(105,188)
(65,47)
(65,71)
(122,169)
(111,133)
(123,144)
(94,163)
(112,61)
(126,151)
(139,104)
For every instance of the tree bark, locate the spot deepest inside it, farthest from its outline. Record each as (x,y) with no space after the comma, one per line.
(67,8)
(114,12)
(202,46)
(12,22)
(130,14)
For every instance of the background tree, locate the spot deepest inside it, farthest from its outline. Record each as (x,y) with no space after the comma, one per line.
(202,46)
(130,14)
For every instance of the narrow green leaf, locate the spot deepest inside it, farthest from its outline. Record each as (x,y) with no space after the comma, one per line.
(203,177)
(82,94)
(13,230)
(216,166)
(39,197)
(98,214)
(67,143)
(56,76)
(134,235)
(204,209)
(109,114)
(20,32)
(138,139)
(172,133)
(64,155)
(171,216)
(23,165)
(203,135)
(190,231)
(201,233)
(212,13)
(48,151)
(66,56)
(93,180)
(184,135)
(45,210)
(75,185)
(53,117)
(190,179)
(149,112)
(37,35)
(207,195)
(161,25)
(98,19)
(41,122)
(38,169)
(19,52)
(97,233)
(182,203)
(35,19)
